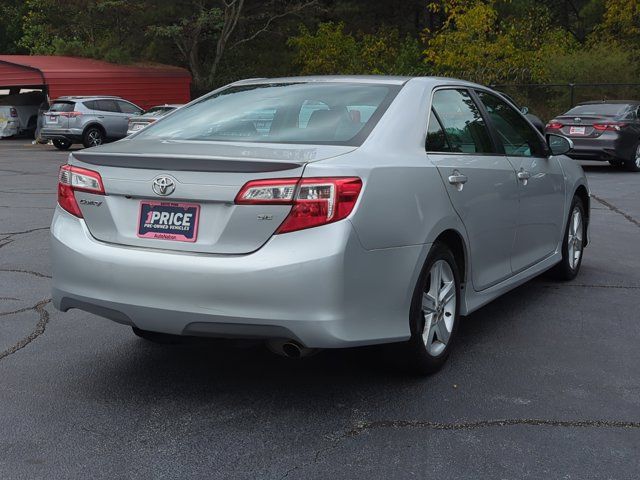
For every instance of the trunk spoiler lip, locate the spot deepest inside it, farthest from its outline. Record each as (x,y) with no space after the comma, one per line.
(182,162)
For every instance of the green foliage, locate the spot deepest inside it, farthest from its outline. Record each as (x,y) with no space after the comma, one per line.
(489,41)
(11,12)
(476,44)
(330,50)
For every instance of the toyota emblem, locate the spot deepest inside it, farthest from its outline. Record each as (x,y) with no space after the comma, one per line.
(163,186)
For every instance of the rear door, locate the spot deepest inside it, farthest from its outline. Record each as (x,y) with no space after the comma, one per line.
(541,185)
(480,182)
(109,115)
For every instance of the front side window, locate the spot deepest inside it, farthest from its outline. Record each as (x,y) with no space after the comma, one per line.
(517,136)
(313,113)
(464,127)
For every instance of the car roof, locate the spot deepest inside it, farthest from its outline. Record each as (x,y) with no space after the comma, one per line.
(362,79)
(398,80)
(87,97)
(612,102)
(165,105)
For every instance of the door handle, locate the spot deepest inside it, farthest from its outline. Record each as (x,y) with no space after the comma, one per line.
(100,116)
(523,176)
(458,179)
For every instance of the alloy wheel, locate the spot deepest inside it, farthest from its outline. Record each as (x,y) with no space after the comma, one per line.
(574,240)
(438,308)
(637,159)
(95,138)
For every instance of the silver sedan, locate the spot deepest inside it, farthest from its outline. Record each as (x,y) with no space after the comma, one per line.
(319,212)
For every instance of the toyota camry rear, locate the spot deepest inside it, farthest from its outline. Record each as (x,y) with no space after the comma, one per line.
(318,212)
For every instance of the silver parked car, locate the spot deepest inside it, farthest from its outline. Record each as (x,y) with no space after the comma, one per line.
(91,121)
(319,212)
(148,117)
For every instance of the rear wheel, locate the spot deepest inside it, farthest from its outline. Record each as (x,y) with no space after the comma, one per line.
(573,243)
(156,337)
(93,137)
(633,164)
(62,144)
(434,312)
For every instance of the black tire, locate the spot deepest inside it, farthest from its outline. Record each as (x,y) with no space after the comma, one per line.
(32,127)
(567,270)
(62,144)
(156,337)
(633,164)
(616,163)
(93,137)
(416,355)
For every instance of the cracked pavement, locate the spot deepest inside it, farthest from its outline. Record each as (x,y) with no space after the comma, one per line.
(543,383)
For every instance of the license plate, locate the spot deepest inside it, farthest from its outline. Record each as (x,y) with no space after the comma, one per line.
(169,221)
(576,130)
(53,119)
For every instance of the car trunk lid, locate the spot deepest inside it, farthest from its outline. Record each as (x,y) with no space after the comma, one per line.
(582,126)
(206,178)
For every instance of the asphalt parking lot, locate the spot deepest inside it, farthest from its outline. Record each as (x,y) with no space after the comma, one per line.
(544,382)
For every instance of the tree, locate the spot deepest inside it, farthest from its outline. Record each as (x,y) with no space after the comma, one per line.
(11,12)
(330,50)
(475,43)
(203,37)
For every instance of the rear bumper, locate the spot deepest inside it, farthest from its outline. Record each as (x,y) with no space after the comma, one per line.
(73,135)
(600,149)
(9,129)
(317,286)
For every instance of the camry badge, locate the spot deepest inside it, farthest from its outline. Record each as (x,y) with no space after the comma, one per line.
(163,186)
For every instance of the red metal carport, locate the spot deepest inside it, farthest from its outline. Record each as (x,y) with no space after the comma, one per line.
(144,85)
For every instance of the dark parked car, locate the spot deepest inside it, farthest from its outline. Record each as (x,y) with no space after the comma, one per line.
(606,131)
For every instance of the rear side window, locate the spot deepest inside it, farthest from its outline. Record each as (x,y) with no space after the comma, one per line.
(436,138)
(107,106)
(516,135)
(62,107)
(126,107)
(464,127)
(91,105)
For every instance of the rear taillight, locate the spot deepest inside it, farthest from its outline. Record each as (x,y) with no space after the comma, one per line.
(75,179)
(71,114)
(614,126)
(315,201)
(13,112)
(554,125)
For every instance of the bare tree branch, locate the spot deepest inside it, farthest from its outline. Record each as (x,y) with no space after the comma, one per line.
(268,23)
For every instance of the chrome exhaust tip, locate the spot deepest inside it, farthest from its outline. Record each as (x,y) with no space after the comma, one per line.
(290,349)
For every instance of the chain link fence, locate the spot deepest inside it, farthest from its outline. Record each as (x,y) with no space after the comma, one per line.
(548,100)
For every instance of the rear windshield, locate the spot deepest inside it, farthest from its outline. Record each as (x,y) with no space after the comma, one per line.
(316,113)
(606,109)
(62,107)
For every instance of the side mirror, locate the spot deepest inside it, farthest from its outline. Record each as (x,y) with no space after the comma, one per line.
(524,110)
(559,145)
